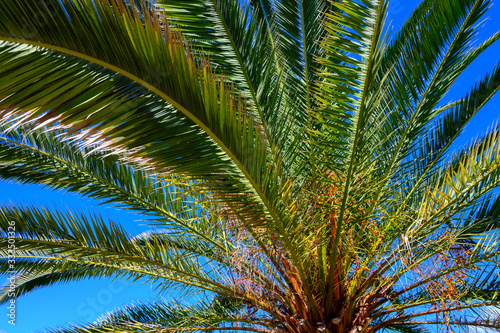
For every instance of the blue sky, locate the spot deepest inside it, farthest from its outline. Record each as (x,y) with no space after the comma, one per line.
(86,300)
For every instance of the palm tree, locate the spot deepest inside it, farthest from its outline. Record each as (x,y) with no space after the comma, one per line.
(293,157)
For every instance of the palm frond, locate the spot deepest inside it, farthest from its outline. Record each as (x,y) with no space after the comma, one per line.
(161,316)
(451,124)
(41,157)
(349,105)
(418,81)
(213,110)
(292,158)
(55,235)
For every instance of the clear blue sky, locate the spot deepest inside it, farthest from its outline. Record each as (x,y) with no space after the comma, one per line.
(84,301)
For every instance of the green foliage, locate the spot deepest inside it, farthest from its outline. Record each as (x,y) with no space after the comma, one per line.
(292,156)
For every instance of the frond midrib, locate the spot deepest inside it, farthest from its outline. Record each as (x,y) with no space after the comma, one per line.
(136,198)
(401,142)
(241,65)
(106,252)
(254,186)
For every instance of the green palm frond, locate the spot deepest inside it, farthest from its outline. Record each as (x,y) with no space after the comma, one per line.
(42,158)
(214,111)
(350,33)
(171,317)
(74,241)
(469,178)
(293,160)
(452,123)
(411,97)
(237,44)
(52,268)
(35,274)
(42,234)
(297,30)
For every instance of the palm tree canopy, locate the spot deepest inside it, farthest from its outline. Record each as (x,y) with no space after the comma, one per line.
(293,157)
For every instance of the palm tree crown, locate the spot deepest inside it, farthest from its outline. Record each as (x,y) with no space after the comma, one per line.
(293,156)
